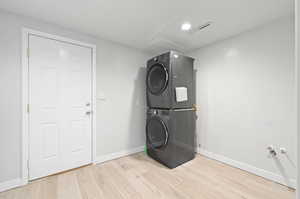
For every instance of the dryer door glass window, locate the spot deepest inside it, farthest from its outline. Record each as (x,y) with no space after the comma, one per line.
(157,133)
(157,79)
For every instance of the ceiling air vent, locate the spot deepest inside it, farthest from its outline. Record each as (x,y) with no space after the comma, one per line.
(201,27)
(204,25)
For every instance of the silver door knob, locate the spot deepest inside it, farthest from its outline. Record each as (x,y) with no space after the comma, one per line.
(88,112)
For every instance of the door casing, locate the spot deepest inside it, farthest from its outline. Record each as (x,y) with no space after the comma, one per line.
(25,94)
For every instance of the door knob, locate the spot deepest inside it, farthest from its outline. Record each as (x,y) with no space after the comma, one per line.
(88,112)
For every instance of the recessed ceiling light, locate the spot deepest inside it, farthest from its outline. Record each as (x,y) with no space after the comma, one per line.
(186,26)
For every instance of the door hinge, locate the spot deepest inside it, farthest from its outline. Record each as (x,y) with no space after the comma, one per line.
(28,52)
(27,108)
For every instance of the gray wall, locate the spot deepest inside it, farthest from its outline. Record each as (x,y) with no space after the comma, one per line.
(246,97)
(120,92)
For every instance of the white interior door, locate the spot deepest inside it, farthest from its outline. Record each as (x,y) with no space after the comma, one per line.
(60,96)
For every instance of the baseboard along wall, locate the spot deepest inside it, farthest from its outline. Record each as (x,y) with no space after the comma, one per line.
(119,154)
(249,168)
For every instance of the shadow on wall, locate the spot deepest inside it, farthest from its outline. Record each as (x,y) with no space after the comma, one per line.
(282,170)
(137,120)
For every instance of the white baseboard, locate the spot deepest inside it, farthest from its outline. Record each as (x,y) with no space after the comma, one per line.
(19,182)
(119,154)
(10,184)
(257,171)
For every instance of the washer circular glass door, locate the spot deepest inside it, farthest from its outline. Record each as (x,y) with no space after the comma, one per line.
(157,79)
(157,133)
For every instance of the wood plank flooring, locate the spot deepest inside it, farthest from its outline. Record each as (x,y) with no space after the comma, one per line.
(138,176)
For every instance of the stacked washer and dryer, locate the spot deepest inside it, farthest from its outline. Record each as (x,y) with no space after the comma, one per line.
(171,116)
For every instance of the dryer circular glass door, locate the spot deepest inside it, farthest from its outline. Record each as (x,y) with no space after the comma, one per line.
(157,79)
(157,133)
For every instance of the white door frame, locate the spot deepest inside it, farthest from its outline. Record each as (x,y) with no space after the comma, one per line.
(25,94)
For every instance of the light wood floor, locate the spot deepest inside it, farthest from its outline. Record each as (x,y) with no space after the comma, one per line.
(138,176)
